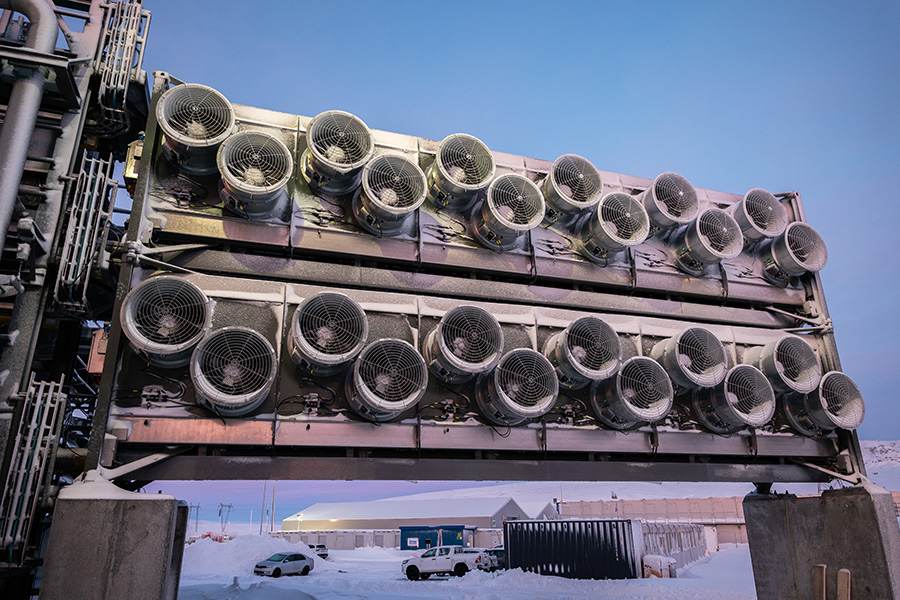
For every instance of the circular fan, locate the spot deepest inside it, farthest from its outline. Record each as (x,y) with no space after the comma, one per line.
(393,186)
(513,205)
(572,185)
(164,317)
(694,358)
(799,249)
(388,378)
(339,144)
(523,386)
(760,215)
(619,221)
(641,392)
(255,167)
(588,349)
(463,166)
(745,398)
(842,400)
(713,236)
(195,120)
(467,341)
(671,200)
(328,330)
(789,363)
(233,369)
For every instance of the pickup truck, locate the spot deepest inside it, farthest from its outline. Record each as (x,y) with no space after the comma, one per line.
(449,560)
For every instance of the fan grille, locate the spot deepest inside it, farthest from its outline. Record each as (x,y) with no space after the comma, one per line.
(196,114)
(592,343)
(624,218)
(577,180)
(646,387)
(516,201)
(332,324)
(676,197)
(720,233)
(750,394)
(255,160)
(527,378)
(797,364)
(701,356)
(471,334)
(236,361)
(466,160)
(168,311)
(842,400)
(807,246)
(395,182)
(765,212)
(392,370)
(340,139)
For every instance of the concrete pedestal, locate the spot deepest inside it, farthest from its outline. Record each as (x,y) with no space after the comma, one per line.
(852,528)
(106,543)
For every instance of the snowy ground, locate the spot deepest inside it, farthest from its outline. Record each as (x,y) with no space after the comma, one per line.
(224,571)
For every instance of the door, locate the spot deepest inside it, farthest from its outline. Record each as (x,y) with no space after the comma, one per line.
(442,560)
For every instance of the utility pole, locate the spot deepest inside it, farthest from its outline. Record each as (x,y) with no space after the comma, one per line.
(195,508)
(262,512)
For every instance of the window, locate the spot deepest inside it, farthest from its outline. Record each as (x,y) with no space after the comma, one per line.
(443,551)
(429,553)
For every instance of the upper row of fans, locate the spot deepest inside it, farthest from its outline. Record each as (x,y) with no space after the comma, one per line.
(199,126)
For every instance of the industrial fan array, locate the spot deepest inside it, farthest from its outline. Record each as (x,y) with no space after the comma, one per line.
(384,190)
(167,319)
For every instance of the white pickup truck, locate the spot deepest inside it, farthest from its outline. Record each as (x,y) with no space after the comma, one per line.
(450,560)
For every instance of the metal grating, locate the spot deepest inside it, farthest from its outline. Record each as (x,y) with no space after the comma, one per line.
(842,400)
(516,201)
(592,343)
(168,311)
(644,385)
(765,212)
(720,232)
(395,182)
(701,355)
(340,139)
(576,180)
(392,370)
(807,246)
(332,324)
(235,361)
(471,334)
(526,377)
(255,161)
(195,115)
(797,364)
(750,394)
(466,160)
(675,195)
(624,218)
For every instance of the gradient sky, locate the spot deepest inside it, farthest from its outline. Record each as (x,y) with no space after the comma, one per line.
(780,95)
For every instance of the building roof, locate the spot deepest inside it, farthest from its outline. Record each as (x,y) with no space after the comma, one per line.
(405,509)
(534,508)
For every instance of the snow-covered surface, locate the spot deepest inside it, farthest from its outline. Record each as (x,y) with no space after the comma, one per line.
(883,463)
(407,508)
(93,486)
(223,571)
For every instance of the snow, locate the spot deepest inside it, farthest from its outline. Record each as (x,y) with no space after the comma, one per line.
(407,508)
(93,486)
(223,571)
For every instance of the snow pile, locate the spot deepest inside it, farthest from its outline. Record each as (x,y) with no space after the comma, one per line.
(883,463)
(206,559)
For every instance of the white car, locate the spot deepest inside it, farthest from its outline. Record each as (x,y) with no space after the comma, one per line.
(284,564)
(449,560)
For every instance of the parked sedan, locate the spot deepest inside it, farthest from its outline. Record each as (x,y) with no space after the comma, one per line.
(284,564)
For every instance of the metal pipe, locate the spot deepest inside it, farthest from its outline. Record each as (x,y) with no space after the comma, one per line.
(24,103)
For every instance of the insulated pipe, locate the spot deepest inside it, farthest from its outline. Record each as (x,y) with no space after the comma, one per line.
(24,103)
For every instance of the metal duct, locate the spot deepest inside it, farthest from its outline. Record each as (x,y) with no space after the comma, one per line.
(694,358)
(393,187)
(522,387)
(512,206)
(714,236)
(338,146)
(233,370)
(587,350)
(255,168)
(760,215)
(744,399)
(466,342)
(164,317)
(670,201)
(388,378)
(195,119)
(798,250)
(327,331)
(641,392)
(573,185)
(837,403)
(618,222)
(789,363)
(462,167)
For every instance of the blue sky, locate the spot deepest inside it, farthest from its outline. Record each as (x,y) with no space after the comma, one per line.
(780,95)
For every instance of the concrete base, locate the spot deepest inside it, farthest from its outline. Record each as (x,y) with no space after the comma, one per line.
(852,528)
(109,543)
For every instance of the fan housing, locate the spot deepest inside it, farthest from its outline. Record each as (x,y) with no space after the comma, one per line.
(789,363)
(164,317)
(463,166)
(328,330)
(255,168)
(670,201)
(695,358)
(466,342)
(195,120)
(388,378)
(573,185)
(233,370)
(512,206)
(619,221)
(798,250)
(744,399)
(393,187)
(523,386)
(338,146)
(837,403)
(587,350)
(760,215)
(713,236)
(641,392)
